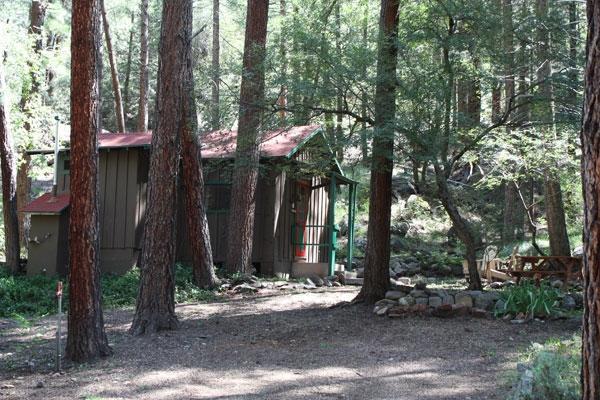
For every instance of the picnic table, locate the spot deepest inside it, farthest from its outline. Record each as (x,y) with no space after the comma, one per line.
(537,267)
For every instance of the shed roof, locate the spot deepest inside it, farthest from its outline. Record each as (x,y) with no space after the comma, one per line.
(217,144)
(48,204)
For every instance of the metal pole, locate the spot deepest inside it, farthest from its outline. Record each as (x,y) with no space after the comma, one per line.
(59,288)
(55,179)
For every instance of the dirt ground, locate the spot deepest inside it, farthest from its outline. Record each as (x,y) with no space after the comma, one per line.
(279,345)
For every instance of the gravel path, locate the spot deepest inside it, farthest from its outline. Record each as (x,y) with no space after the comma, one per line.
(280,345)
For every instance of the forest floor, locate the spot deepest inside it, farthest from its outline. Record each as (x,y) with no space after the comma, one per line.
(279,345)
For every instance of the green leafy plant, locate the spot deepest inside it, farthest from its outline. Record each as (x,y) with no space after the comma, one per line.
(556,367)
(531,300)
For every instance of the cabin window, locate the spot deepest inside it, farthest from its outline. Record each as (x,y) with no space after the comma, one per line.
(217,197)
(66,166)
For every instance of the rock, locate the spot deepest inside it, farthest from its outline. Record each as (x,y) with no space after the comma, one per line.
(403,280)
(395,285)
(7,386)
(578,297)
(309,287)
(568,302)
(557,284)
(460,310)
(421,285)
(435,301)
(394,294)
(360,272)
(354,281)
(500,306)
(578,251)
(39,385)
(448,299)
(336,284)
(406,301)
(418,293)
(245,288)
(496,285)
(386,302)
(382,310)
(317,280)
(479,313)
(422,300)
(486,300)
(464,299)
(443,311)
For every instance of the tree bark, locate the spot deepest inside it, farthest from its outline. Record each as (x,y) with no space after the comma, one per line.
(155,307)
(86,338)
(142,121)
(377,258)
(216,68)
(282,98)
(590,165)
(37,17)
(555,213)
(8,164)
(245,174)
(114,74)
(203,270)
(126,105)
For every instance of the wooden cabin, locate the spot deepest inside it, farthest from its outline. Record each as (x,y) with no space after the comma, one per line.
(294,233)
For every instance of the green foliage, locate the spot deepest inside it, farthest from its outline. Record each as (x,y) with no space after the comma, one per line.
(30,296)
(556,367)
(531,300)
(33,296)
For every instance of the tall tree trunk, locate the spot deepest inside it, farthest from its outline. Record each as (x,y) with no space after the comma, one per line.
(510,190)
(142,121)
(463,228)
(126,92)
(377,276)
(204,275)
(114,74)
(245,174)
(282,99)
(339,98)
(364,144)
(590,165)
(8,164)
(555,213)
(86,338)
(37,16)
(155,307)
(215,69)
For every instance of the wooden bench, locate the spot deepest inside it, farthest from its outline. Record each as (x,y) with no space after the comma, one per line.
(565,268)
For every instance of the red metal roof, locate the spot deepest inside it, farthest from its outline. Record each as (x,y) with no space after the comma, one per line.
(221,144)
(47,204)
(113,140)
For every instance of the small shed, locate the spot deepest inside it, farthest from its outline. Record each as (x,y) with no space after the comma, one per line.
(295,232)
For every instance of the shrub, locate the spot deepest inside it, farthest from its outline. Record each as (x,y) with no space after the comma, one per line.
(556,367)
(33,296)
(531,300)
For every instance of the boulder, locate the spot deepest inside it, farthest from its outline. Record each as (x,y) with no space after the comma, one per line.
(448,299)
(416,293)
(479,313)
(245,288)
(464,299)
(422,301)
(568,302)
(435,301)
(499,306)
(394,294)
(403,280)
(406,301)
(421,285)
(360,272)
(557,284)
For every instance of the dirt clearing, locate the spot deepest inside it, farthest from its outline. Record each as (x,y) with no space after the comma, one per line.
(279,346)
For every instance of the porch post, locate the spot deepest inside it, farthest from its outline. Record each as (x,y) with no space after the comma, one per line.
(351,217)
(331,224)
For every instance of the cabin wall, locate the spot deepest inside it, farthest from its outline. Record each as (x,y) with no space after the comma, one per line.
(49,253)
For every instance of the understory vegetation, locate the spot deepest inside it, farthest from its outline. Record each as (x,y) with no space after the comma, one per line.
(555,369)
(34,296)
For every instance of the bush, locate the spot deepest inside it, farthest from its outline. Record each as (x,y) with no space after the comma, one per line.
(556,367)
(531,300)
(33,296)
